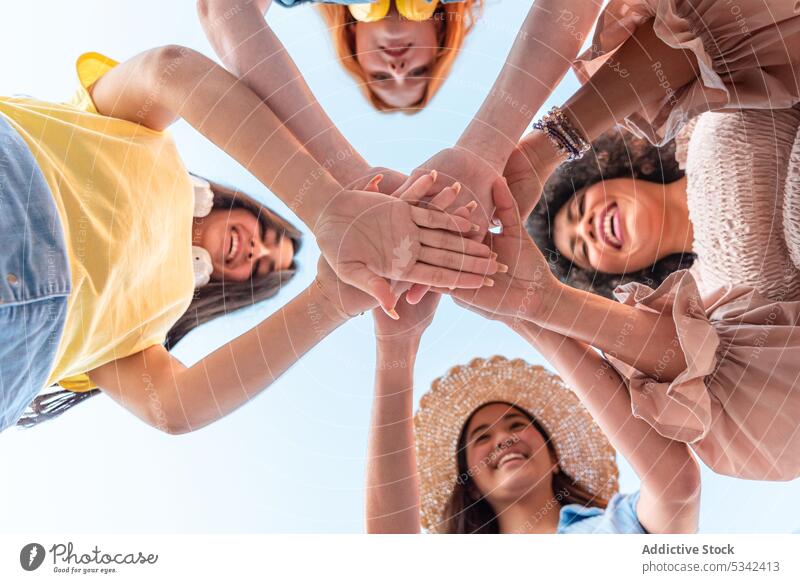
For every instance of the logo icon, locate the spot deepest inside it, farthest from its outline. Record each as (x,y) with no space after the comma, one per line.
(31,556)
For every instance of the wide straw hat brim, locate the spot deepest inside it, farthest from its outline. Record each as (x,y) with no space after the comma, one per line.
(583,451)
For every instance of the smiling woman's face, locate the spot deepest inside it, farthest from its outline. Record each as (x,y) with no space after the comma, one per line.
(508,456)
(614,226)
(239,247)
(397,56)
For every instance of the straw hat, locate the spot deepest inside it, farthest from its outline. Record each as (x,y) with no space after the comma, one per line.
(583,450)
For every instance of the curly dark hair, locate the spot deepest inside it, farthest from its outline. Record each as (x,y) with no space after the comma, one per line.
(615,154)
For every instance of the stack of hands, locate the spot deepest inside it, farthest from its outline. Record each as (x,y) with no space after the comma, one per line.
(396,243)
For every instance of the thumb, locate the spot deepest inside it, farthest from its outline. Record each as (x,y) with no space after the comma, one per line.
(357,275)
(505,205)
(372,185)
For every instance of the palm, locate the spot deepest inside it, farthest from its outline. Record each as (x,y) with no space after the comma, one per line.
(373,230)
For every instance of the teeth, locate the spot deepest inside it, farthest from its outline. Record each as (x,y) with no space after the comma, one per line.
(508,457)
(608,228)
(234,245)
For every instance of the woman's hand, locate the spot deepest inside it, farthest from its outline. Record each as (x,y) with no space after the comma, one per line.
(347,300)
(414,320)
(471,171)
(371,239)
(517,292)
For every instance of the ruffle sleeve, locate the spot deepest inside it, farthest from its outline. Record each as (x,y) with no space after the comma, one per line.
(737,401)
(748,55)
(680,409)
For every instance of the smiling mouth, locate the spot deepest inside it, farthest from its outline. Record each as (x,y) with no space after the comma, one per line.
(507,458)
(396,51)
(610,224)
(236,243)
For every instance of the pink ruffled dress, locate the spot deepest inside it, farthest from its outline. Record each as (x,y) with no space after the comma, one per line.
(748,53)
(737,310)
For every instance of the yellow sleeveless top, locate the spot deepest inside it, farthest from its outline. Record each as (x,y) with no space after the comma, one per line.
(125,201)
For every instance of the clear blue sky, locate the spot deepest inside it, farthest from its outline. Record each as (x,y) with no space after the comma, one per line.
(293,459)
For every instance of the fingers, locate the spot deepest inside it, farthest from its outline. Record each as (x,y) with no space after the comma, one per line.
(419,188)
(372,185)
(505,206)
(416,293)
(445,198)
(452,242)
(357,275)
(446,278)
(438,220)
(458,261)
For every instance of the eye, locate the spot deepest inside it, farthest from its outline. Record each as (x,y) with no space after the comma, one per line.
(586,252)
(380,77)
(482,438)
(582,204)
(419,72)
(518,425)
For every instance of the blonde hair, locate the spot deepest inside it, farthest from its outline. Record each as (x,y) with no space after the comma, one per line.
(458,18)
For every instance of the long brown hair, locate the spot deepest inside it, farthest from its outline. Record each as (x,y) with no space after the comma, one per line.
(457,20)
(217,298)
(466,515)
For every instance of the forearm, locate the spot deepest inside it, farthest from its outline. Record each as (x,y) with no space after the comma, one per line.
(250,49)
(550,38)
(235,373)
(392,493)
(670,480)
(643,71)
(228,113)
(647,341)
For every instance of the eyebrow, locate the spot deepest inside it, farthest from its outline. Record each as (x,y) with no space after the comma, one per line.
(485,426)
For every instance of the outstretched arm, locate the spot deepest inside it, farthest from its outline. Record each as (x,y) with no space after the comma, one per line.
(161,85)
(250,49)
(392,490)
(176,399)
(669,501)
(392,480)
(164,393)
(546,45)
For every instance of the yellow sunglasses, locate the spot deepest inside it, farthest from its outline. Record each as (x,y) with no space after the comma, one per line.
(416,10)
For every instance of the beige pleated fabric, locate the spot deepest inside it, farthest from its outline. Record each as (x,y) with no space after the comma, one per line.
(748,54)
(737,310)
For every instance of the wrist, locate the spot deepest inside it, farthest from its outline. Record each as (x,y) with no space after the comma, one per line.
(491,148)
(314,196)
(541,152)
(402,345)
(324,306)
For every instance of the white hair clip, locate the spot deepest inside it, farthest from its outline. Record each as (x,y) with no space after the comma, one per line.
(201,261)
(203,196)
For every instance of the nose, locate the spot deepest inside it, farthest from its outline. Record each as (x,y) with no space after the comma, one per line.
(259,250)
(398,66)
(584,227)
(504,440)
